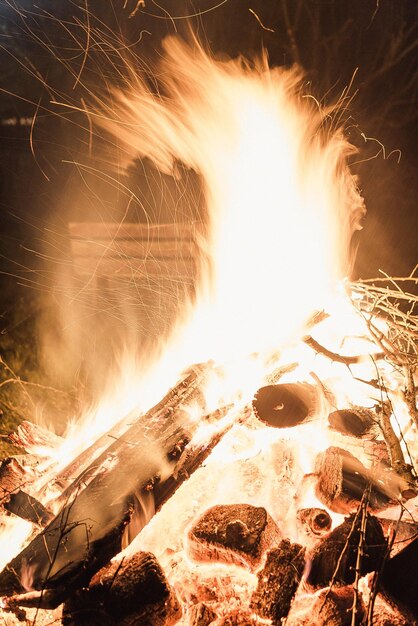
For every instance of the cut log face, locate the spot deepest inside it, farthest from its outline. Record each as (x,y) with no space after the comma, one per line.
(351,422)
(285,405)
(342,480)
(314,522)
(278,581)
(334,557)
(233,533)
(126,592)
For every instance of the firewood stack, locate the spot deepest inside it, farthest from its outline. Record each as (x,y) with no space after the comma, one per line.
(312,577)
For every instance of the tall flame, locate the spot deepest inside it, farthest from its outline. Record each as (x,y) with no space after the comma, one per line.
(282,204)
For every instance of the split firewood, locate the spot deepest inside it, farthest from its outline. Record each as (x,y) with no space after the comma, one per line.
(286,405)
(34,438)
(334,558)
(330,606)
(14,476)
(278,581)
(233,533)
(398,581)
(103,506)
(129,591)
(29,508)
(342,480)
(201,615)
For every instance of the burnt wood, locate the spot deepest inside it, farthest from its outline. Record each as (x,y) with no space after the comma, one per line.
(331,607)
(98,503)
(201,615)
(233,533)
(314,522)
(278,581)
(334,557)
(355,422)
(342,479)
(133,590)
(29,508)
(399,579)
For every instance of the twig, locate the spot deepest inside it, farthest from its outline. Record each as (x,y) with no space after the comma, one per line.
(334,356)
(360,552)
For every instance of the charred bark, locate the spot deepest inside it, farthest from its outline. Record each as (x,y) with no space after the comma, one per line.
(278,581)
(233,533)
(334,558)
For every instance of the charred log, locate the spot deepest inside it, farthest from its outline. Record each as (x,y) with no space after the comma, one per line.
(74,536)
(399,582)
(342,479)
(201,615)
(285,405)
(233,533)
(330,606)
(278,581)
(334,557)
(131,591)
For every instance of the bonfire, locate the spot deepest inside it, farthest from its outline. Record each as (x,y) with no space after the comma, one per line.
(266,472)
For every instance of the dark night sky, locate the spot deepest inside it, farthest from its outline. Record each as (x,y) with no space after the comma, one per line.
(329,38)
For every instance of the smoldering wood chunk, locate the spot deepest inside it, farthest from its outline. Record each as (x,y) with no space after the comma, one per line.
(356,422)
(201,615)
(399,579)
(386,615)
(342,480)
(27,507)
(334,557)
(233,533)
(278,581)
(285,405)
(30,436)
(238,617)
(332,607)
(314,522)
(128,592)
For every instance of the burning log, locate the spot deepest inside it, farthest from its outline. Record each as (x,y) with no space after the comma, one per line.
(285,405)
(332,607)
(342,480)
(29,508)
(278,581)
(398,581)
(356,422)
(88,529)
(314,522)
(334,558)
(233,533)
(124,593)
(31,437)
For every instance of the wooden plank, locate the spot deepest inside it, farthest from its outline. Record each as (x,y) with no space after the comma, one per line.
(127,230)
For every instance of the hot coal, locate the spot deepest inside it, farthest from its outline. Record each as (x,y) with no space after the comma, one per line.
(330,607)
(233,533)
(278,581)
(130,592)
(334,557)
(285,405)
(201,615)
(351,422)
